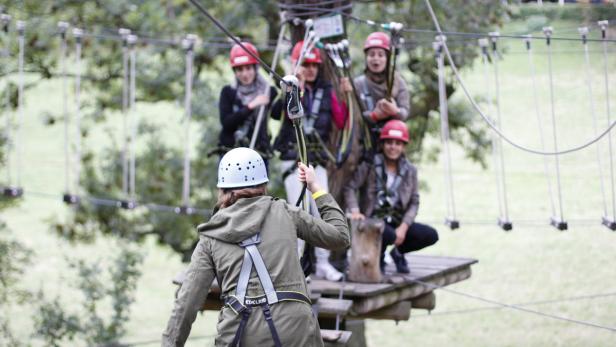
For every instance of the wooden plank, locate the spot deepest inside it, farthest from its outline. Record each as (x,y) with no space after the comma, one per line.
(328,307)
(335,338)
(398,311)
(369,304)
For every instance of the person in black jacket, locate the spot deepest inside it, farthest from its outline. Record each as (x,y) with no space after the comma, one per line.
(239,104)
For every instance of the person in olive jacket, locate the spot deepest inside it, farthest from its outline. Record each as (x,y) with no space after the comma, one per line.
(247,221)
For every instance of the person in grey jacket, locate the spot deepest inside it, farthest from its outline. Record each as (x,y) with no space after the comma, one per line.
(388,190)
(249,246)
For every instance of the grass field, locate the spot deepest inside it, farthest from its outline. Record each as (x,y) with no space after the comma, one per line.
(534,262)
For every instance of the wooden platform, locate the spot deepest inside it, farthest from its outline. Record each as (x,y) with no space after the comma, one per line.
(371,297)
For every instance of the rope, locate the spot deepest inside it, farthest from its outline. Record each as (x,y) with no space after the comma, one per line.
(78,45)
(125,86)
(62,27)
(6,19)
(257,129)
(483,43)
(583,32)
(232,37)
(603,25)
(189,43)
(530,303)
(499,144)
(21,27)
(132,40)
(516,307)
(548,33)
(449,198)
(495,128)
(531,63)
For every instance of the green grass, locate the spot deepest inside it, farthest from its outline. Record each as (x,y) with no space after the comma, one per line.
(531,263)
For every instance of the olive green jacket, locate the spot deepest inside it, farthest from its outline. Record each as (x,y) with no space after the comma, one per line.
(217,255)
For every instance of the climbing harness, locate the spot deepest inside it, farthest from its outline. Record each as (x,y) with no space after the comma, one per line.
(243,305)
(557,221)
(388,198)
(188,44)
(450,220)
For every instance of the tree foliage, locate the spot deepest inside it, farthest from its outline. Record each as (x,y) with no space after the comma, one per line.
(160,77)
(116,288)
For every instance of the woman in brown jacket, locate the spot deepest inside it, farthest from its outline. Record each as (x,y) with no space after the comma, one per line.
(249,246)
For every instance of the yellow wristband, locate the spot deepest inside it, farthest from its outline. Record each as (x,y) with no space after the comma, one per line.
(318,194)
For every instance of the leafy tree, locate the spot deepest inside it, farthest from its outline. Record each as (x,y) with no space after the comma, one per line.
(56,325)
(160,77)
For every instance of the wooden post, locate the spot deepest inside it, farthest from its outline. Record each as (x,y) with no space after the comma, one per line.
(366,250)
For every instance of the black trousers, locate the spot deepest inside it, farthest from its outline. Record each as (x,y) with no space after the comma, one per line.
(417,237)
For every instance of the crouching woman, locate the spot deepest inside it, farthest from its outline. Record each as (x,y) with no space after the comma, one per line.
(250,246)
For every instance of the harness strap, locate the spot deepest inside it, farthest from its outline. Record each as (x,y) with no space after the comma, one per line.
(313,114)
(365,95)
(270,323)
(240,331)
(264,277)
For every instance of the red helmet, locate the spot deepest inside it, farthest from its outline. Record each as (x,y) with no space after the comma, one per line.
(377,39)
(240,57)
(314,56)
(396,130)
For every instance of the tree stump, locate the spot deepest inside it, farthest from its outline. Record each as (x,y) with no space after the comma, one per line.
(366,250)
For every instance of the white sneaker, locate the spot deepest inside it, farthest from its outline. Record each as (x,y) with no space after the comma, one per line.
(327,271)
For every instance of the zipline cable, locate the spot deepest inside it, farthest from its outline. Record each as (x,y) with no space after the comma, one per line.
(189,45)
(538,115)
(584,33)
(495,128)
(450,220)
(220,26)
(603,25)
(515,307)
(78,34)
(559,221)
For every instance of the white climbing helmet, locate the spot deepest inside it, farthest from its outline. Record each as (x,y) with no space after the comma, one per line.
(241,167)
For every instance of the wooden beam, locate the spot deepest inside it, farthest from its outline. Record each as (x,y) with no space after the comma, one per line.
(328,307)
(424,302)
(366,250)
(398,311)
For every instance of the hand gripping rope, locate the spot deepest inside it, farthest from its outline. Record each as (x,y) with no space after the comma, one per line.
(450,220)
